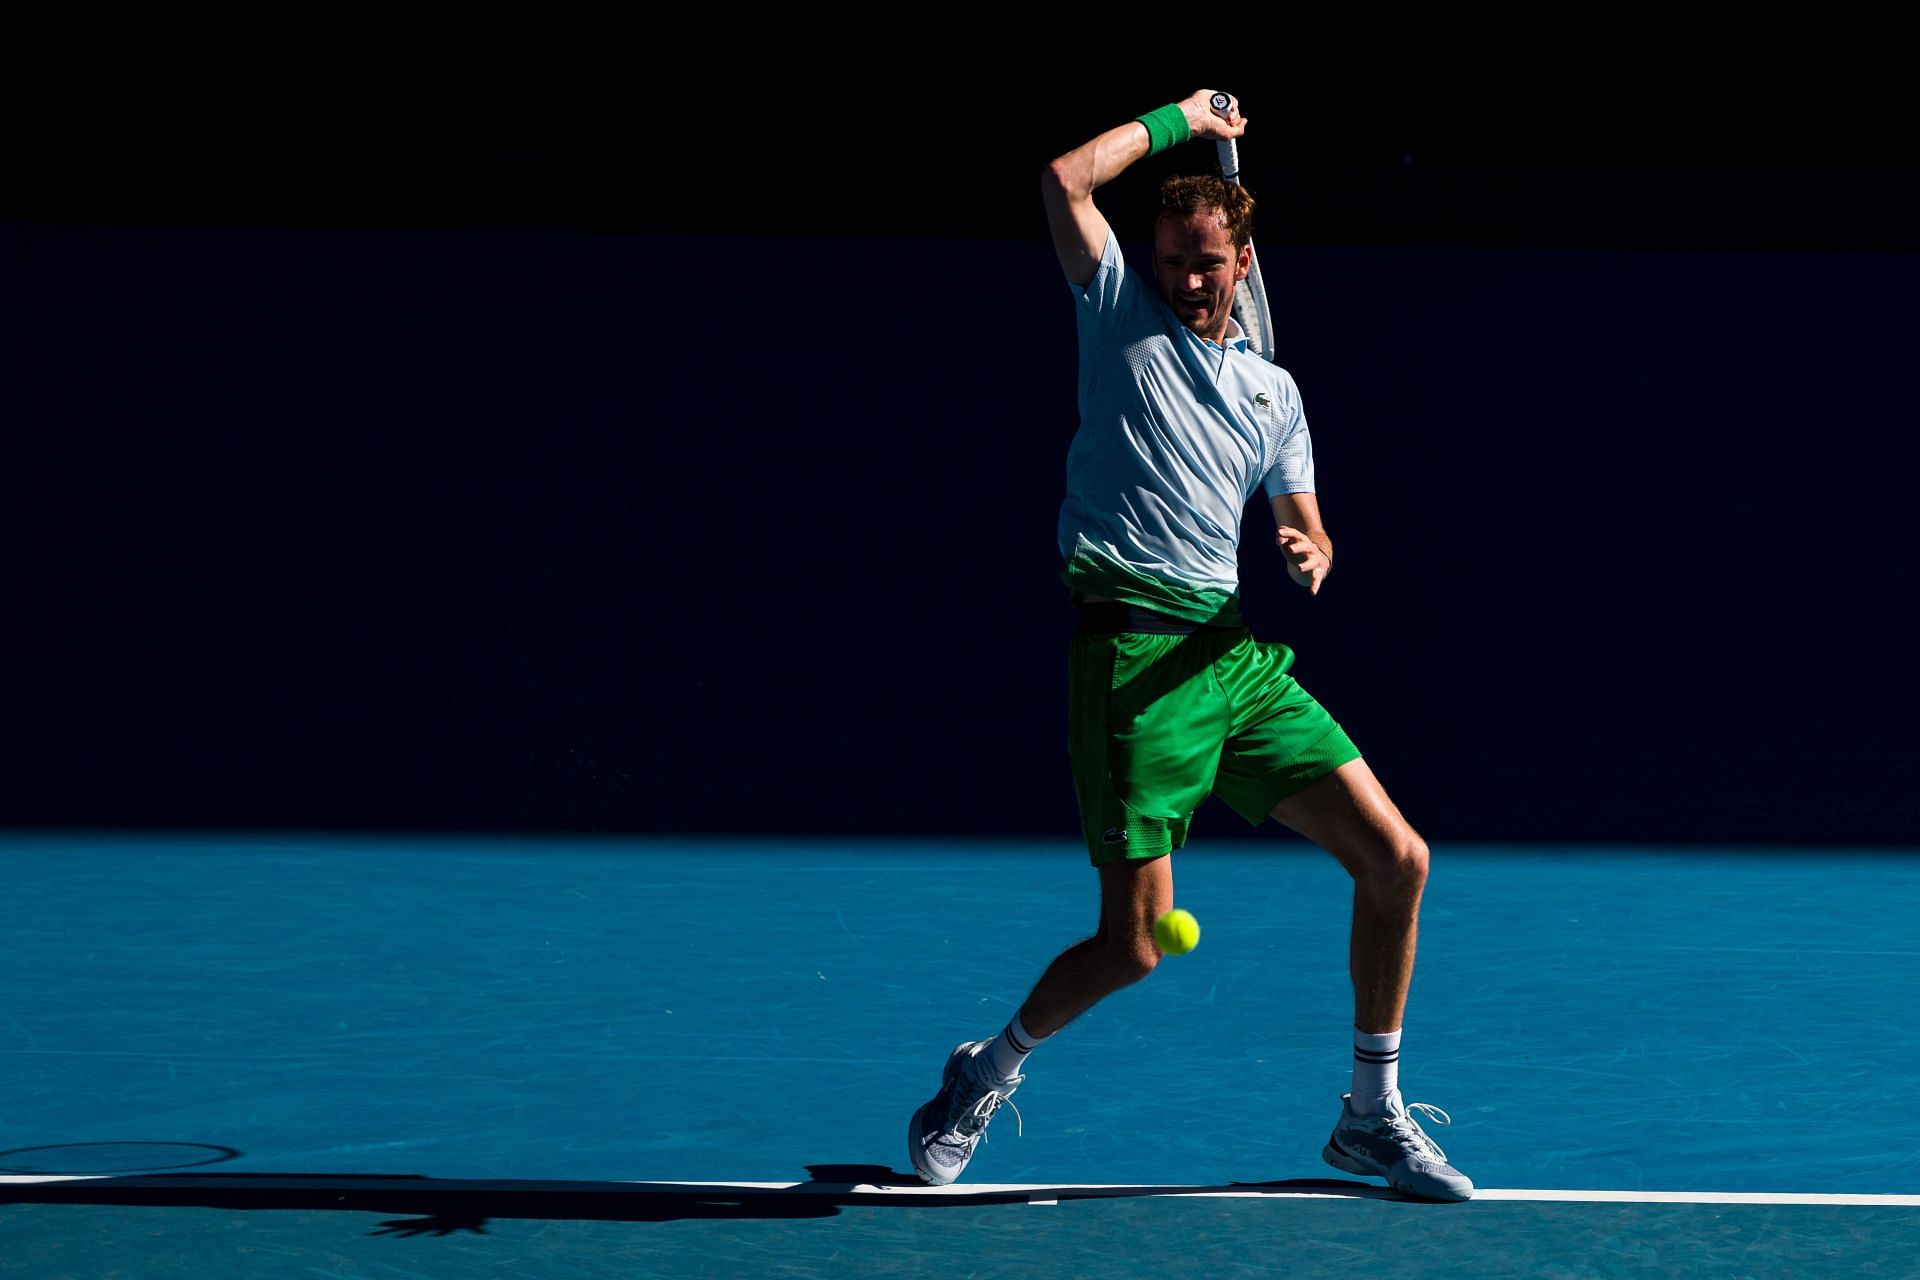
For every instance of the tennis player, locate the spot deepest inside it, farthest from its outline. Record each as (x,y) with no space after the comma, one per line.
(1170,697)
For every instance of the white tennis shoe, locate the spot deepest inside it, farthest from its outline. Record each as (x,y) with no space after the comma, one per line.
(943,1133)
(1394,1146)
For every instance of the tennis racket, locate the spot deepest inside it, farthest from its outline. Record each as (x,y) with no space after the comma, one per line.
(1250,295)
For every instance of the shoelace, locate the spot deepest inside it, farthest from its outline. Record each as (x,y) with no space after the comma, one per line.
(1409,1129)
(981,1109)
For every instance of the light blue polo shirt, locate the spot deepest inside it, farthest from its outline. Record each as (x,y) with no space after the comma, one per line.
(1176,434)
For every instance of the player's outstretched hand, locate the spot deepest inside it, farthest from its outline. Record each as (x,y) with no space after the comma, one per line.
(1205,124)
(1307,564)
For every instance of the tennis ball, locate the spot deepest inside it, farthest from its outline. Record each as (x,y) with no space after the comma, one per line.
(1177,932)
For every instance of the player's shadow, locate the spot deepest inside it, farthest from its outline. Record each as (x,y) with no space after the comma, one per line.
(425,1206)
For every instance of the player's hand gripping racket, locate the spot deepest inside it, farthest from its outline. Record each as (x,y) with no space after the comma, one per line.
(1250,295)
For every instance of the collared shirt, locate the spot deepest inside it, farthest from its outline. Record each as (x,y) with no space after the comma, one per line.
(1176,434)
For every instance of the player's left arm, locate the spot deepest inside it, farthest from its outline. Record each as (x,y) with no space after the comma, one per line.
(1302,539)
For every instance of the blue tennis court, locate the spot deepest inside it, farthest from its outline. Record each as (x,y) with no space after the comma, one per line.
(374,1056)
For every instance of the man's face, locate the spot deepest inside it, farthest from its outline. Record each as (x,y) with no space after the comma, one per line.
(1197,267)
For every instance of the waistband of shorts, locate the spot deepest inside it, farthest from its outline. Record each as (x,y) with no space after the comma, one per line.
(1115,617)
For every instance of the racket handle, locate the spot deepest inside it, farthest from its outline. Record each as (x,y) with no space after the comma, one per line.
(1229,159)
(1227,148)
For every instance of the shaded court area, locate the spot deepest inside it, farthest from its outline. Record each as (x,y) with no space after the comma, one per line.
(387,1056)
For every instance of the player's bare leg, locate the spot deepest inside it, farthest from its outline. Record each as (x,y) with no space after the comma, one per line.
(1133,895)
(1349,814)
(942,1135)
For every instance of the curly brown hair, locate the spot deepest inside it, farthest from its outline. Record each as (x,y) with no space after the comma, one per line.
(1196,193)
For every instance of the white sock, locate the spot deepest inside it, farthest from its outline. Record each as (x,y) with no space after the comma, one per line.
(1376,1072)
(1006,1051)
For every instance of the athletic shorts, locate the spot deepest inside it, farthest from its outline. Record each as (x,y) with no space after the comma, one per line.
(1158,722)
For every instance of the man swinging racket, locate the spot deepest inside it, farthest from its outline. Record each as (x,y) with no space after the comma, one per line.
(1171,699)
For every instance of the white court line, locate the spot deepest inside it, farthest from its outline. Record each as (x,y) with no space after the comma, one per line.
(1034,1192)
(1533,1195)
(1697,1197)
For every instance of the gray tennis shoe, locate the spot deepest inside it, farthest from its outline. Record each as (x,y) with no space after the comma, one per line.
(1394,1146)
(943,1133)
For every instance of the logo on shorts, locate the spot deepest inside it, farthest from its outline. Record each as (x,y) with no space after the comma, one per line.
(1115,835)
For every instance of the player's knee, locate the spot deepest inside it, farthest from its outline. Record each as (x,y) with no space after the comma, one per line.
(1400,868)
(1407,864)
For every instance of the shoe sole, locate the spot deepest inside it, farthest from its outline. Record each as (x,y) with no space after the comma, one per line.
(1342,1161)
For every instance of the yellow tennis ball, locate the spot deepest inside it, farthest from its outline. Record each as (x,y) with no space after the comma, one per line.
(1177,932)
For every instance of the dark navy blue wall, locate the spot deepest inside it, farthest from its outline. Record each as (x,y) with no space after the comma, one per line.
(640,532)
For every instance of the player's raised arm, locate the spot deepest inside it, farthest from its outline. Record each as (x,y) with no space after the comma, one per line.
(1079,229)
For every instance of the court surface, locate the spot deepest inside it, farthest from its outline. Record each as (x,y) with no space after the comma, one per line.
(372,1056)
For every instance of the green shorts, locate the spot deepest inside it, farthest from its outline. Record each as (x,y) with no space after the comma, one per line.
(1157,723)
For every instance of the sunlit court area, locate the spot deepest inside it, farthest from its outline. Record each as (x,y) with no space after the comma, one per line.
(539,705)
